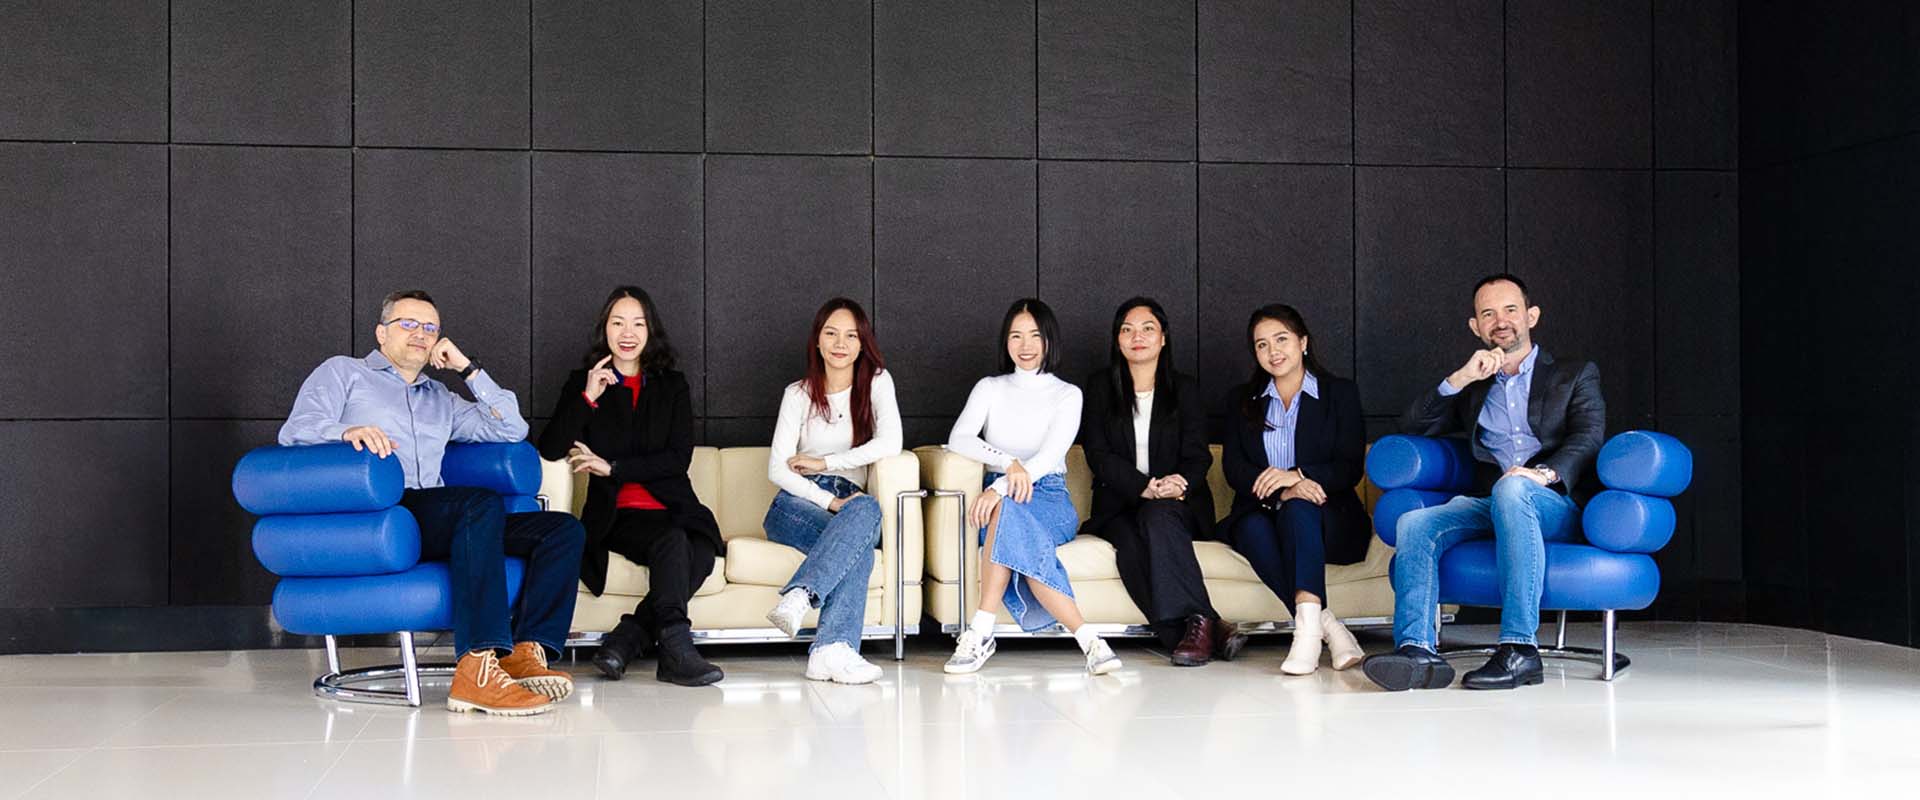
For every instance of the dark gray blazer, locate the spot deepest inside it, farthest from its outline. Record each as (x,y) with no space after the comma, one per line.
(1564,408)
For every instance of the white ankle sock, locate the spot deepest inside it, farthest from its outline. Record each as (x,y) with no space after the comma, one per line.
(1085,637)
(982,622)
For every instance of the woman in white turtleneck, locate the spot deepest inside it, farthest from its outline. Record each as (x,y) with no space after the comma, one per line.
(1020,424)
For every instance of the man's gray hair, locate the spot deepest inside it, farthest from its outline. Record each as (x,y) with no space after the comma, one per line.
(386,306)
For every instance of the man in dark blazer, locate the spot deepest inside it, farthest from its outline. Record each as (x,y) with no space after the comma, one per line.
(1535,425)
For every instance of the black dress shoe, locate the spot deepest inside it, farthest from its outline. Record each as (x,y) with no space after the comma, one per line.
(1410,667)
(1512,666)
(682,665)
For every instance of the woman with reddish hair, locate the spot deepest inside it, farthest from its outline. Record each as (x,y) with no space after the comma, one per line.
(833,423)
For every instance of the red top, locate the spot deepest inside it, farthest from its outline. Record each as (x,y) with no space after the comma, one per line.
(633,495)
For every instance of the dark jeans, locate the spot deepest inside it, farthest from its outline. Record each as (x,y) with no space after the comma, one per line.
(1153,546)
(471,531)
(677,563)
(1286,548)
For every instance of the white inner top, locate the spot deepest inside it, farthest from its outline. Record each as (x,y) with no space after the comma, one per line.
(1030,416)
(1142,419)
(798,431)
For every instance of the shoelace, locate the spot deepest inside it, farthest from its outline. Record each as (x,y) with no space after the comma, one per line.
(971,645)
(491,673)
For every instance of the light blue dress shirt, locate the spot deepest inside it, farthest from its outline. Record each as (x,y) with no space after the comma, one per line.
(421,417)
(1504,429)
(1281,422)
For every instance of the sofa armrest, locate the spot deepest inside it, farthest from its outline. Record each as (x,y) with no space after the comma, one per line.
(556,486)
(901,540)
(946,471)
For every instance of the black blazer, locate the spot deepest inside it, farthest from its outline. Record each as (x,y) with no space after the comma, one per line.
(649,444)
(1564,407)
(1329,446)
(1176,443)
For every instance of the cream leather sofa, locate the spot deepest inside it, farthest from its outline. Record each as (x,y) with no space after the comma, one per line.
(1360,593)
(731,606)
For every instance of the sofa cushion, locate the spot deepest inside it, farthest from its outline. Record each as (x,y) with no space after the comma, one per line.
(758,562)
(628,579)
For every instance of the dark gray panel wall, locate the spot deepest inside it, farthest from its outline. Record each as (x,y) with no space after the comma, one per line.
(67,548)
(1363,160)
(278,72)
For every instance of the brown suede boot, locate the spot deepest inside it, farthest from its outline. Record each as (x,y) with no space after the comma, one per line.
(479,684)
(527,665)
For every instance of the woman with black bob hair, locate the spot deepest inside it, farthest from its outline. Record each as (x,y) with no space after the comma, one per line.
(626,419)
(1293,460)
(1144,432)
(1020,424)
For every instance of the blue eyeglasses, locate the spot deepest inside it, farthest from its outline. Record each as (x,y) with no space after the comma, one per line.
(411,325)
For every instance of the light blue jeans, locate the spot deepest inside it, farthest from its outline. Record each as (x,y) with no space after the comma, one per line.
(1026,541)
(1521,516)
(839,548)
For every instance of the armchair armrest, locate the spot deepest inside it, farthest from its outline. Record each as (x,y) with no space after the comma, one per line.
(902,541)
(942,470)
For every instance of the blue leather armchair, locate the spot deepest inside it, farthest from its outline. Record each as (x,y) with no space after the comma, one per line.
(348,555)
(1610,571)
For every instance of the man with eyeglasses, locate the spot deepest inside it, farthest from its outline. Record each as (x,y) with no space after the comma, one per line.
(384,403)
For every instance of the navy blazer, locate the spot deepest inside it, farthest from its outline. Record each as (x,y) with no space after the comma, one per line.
(649,443)
(1329,445)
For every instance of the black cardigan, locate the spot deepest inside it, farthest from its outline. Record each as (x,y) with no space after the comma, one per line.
(1176,443)
(650,444)
(1329,445)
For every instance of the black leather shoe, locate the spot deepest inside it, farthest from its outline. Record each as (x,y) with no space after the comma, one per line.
(1512,666)
(1410,667)
(1227,640)
(618,648)
(682,665)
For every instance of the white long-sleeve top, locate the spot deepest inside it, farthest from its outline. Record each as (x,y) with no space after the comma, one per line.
(1030,416)
(799,431)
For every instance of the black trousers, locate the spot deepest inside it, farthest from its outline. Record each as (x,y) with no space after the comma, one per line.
(1154,548)
(677,563)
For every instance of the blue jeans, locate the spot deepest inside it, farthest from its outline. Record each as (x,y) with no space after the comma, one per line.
(470,530)
(839,548)
(1522,516)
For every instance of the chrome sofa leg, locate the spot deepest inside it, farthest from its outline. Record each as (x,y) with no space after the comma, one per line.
(1560,637)
(1607,653)
(352,685)
(1611,661)
(900,571)
(412,668)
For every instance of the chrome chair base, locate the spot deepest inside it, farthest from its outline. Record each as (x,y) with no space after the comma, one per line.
(351,685)
(1612,662)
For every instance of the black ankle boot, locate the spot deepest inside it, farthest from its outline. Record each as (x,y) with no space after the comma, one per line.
(618,648)
(681,664)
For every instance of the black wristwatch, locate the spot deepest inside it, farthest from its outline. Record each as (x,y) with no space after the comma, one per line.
(472,367)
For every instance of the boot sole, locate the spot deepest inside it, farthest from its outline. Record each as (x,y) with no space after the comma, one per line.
(1396,673)
(703,679)
(1230,650)
(609,670)
(554,687)
(1180,661)
(463,706)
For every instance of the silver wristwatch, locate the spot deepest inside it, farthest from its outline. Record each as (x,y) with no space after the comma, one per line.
(1552,477)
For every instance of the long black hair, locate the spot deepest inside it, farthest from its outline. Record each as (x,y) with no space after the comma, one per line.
(656,356)
(1253,407)
(1120,376)
(1043,319)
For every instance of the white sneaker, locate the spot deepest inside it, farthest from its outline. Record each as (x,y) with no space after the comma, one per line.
(790,611)
(839,663)
(1346,649)
(1100,658)
(971,652)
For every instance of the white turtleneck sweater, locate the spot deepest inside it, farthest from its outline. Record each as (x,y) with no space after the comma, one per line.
(800,431)
(1030,416)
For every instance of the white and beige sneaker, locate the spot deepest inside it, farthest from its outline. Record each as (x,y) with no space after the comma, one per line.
(971,652)
(1100,658)
(790,611)
(840,664)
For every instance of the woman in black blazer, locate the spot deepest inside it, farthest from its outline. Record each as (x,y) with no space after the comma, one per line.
(1293,456)
(627,419)
(1143,429)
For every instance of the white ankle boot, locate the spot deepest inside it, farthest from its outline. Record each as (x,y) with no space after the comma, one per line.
(1346,649)
(1303,656)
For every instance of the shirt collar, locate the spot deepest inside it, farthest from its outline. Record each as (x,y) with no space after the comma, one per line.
(1526,364)
(1309,386)
(379,362)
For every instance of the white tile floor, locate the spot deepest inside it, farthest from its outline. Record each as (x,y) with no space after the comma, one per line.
(1706,710)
